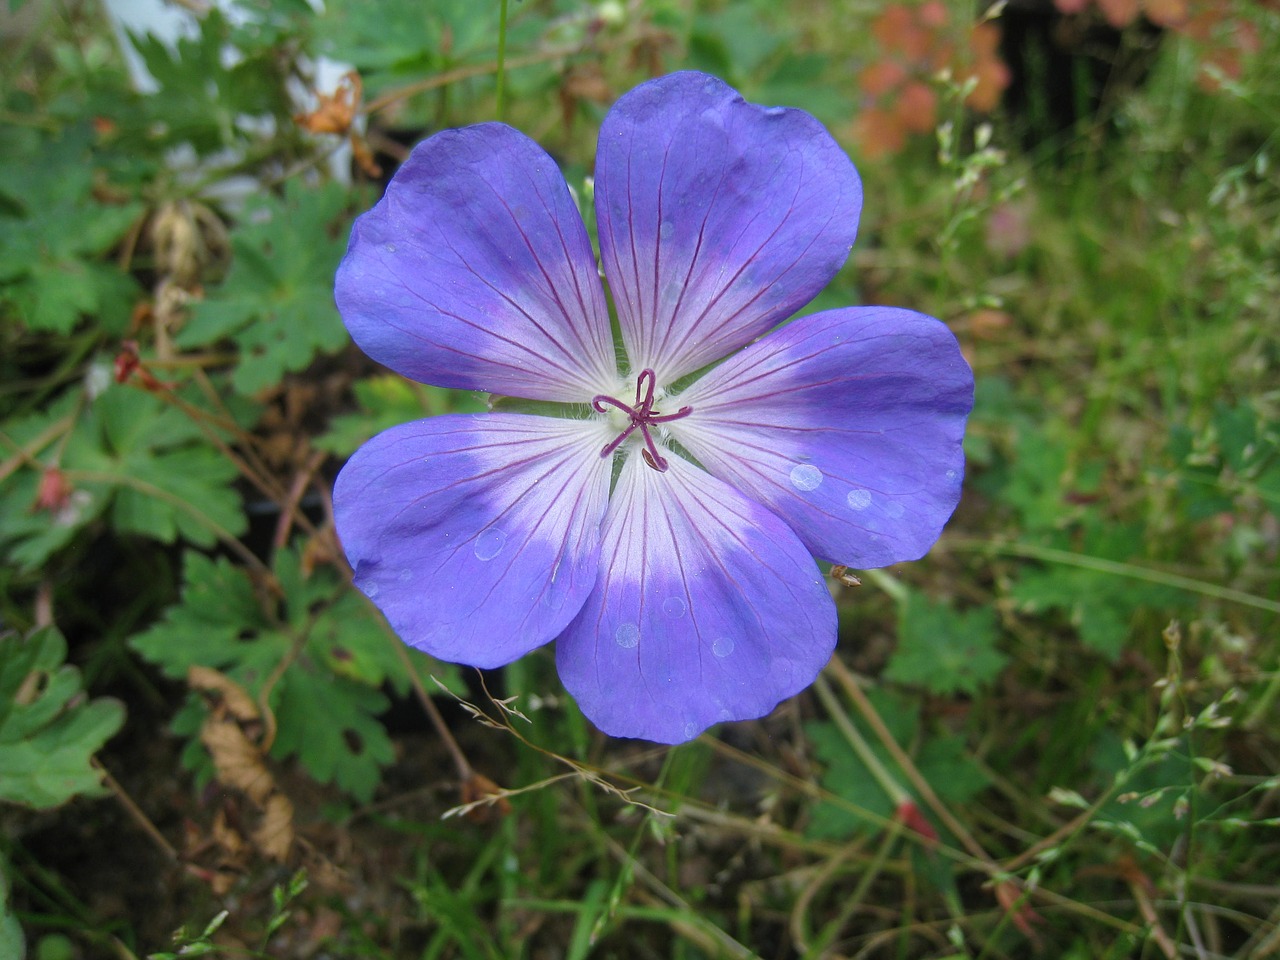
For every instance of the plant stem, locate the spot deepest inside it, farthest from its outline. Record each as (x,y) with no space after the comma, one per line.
(502,59)
(1033,551)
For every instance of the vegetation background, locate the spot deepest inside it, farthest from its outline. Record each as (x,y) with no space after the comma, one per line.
(1056,736)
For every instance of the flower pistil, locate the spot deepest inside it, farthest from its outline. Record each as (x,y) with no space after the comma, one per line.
(640,415)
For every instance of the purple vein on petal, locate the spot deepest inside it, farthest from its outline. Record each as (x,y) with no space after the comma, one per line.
(412,504)
(552,291)
(524,347)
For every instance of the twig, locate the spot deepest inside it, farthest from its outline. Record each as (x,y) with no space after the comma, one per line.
(290,506)
(135,812)
(512,63)
(465,770)
(1082,561)
(897,795)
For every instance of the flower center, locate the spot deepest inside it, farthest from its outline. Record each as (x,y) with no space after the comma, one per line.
(641,416)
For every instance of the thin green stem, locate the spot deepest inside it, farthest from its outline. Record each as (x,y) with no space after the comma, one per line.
(860,746)
(1033,551)
(230,540)
(502,60)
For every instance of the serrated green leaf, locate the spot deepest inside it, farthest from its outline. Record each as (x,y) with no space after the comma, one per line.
(204,97)
(127,454)
(329,723)
(164,480)
(1237,459)
(943,650)
(1100,606)
(30,536)
(48,732)
(52,255)
(219,608)
(277,300)
(399,35)
(336,651)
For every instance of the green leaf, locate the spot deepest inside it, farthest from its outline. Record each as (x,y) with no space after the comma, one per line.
(128,455)
(329,723)
(1035,485)
(1100,606)
(53,271)
(945,651)
(277,300)
(403,36)
(335,651)
(12,942)
(205,96)
(220,622)
(49,732)
(943,761)
(163,478)
(1235,461)
(388,400)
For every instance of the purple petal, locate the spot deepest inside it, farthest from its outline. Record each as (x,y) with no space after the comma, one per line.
(708,608)
(846,423)
(474,271)
(477,535)
(718,218)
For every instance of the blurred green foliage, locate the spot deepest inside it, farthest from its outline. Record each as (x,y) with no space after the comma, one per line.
(48,733)
(1083,675)
(276,302)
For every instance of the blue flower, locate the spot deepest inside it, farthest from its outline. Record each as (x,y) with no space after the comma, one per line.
(662,528)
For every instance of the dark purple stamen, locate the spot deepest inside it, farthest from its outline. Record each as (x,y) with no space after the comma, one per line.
(643,416)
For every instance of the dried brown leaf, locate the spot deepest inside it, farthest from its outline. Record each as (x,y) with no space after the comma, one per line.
(235,699)
(238,762)
(226,836)
(274,835)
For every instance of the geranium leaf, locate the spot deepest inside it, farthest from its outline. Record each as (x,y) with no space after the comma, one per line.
(48,731)
(944,650)
(276,303)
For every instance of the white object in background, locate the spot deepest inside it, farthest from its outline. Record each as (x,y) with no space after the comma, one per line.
(169,23)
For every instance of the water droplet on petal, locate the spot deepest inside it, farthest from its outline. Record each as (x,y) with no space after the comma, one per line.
(391,248)
(553,596)
(858,499)
(370,589)
(666,229)
(722,646)
(406,575)
(490,543)
(805,477)
(894,510)
(690,730)
(673,607)
(952,475)
(627,635)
